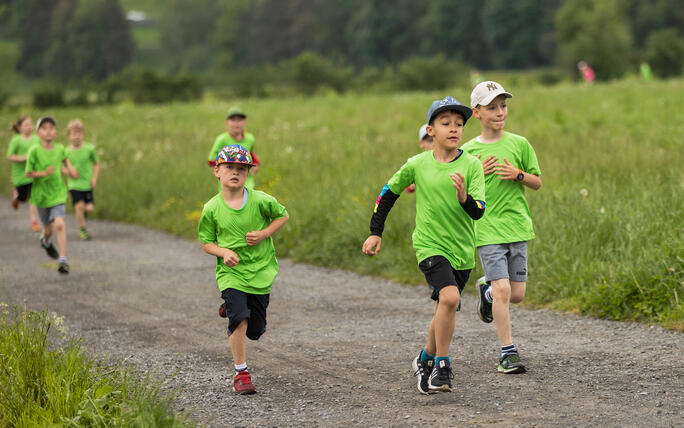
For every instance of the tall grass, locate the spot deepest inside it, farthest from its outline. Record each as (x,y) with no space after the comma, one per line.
(44,386)
(608,218)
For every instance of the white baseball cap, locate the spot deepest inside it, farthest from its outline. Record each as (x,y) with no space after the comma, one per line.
(422,132)
(485,92)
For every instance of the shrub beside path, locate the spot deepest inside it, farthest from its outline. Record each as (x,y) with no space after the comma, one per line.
(338,345)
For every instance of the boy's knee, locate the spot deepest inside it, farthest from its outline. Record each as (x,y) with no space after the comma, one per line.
(517,292)
(59,224)
(501,290)
(450,297)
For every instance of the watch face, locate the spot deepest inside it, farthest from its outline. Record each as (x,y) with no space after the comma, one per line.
(521,176)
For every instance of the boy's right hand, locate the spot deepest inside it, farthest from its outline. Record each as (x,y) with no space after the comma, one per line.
(230,258)
(488,164)
(372,245)
(49,170)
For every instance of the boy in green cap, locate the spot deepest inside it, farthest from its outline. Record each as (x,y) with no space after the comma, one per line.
(48,193)
(510,165)
(449,198)
(236,227)
(236,119)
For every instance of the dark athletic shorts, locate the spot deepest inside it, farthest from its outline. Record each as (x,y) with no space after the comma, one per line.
(23,192)
(241,306)
(80,195)
(439,274)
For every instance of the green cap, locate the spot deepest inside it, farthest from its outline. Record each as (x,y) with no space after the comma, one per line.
(235,111)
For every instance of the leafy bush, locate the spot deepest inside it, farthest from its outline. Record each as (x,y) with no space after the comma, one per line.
(434,73)
(310,73)
(48,93)
(665,52)
(147,86)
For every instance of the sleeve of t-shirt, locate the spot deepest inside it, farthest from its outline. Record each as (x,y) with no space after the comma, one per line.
(271,209)
(93,155)
(476,184)
(529,157)
(12,147)
(402,178)
(206,230)
(30,161)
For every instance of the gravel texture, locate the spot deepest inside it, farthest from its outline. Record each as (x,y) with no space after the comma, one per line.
(338,346)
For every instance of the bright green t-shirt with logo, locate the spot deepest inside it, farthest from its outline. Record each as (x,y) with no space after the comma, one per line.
(83,160)
(20,146)
(227,227)
(47,191)
(507,217)
(225,139)
(443,228)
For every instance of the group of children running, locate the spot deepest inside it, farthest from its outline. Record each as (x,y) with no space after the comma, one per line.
(468,197)
(38,163)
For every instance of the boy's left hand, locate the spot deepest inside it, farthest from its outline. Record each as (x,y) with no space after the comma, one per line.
(459,184)
(255,237)
(506,171)
(93,183)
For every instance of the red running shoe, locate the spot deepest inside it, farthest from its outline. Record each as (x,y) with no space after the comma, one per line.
(242,383)
(222,310)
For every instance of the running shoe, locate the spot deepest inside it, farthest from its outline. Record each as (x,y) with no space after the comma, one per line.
(35,226)
(63,267)
(84,235)
(242,383)
(222,310)
(510,364)
(484,307)
(49,249)
(422,370)
(440,378)
(15,201)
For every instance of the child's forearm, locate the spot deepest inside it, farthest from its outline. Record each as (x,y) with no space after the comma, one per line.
(532,181)
(17,158)
(37,174)
(213,249)
(96,171)
(275,225)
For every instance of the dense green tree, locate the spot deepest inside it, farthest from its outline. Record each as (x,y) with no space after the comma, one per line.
(596,32)
(35,22)
(649,16)
(665,52)
(59,57)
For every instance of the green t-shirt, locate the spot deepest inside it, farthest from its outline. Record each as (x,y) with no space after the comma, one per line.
(47,191)
(507,217)
(20,146)
(227,227)
(442,226)
(83,160)
(225,139)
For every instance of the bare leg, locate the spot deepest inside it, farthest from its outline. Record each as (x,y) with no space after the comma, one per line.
(61,236)
(33,212)
(431,344)
(238,343)
(79,208)
(444,319)
(47,232)
(518,291)
(501,297)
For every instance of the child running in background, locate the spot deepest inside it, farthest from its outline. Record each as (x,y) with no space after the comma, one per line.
(83,157)
(236,227)
(449,198)
(236,119)
(425,143)
(48,193)
(16,153)
(510,164)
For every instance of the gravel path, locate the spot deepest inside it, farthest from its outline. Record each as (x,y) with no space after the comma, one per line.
(338,346)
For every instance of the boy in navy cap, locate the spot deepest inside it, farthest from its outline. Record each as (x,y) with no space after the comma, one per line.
(450,195)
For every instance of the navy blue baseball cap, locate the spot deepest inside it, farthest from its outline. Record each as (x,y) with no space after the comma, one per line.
(448,103)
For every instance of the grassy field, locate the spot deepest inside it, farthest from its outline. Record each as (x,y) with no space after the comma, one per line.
(608,218)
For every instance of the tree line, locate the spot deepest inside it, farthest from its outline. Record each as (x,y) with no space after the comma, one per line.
(69,39)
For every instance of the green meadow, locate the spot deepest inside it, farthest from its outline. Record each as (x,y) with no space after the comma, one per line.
(608,218)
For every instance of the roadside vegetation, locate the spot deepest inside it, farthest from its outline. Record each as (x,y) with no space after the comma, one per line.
(46,381)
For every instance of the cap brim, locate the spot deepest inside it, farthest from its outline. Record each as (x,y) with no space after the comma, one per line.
(490,97)
(465,111)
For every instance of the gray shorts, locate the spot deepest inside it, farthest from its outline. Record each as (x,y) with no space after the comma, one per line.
(49,214)
(504,261)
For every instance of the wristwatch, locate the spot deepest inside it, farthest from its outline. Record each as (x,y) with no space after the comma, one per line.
(520,176)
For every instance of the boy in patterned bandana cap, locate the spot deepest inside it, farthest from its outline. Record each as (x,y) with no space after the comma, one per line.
(236,227)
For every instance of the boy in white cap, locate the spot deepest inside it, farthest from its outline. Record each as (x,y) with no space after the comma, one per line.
(449,198)
(510,164)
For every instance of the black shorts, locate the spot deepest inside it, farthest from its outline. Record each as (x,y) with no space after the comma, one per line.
(241,306)
(23,192)
(82,195)
(439,274)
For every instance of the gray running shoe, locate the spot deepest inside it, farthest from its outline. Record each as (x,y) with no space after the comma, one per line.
(63,267)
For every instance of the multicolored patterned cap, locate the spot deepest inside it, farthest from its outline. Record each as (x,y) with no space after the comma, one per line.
(234,153)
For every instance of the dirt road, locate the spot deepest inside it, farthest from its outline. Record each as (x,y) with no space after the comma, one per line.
(338,346)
